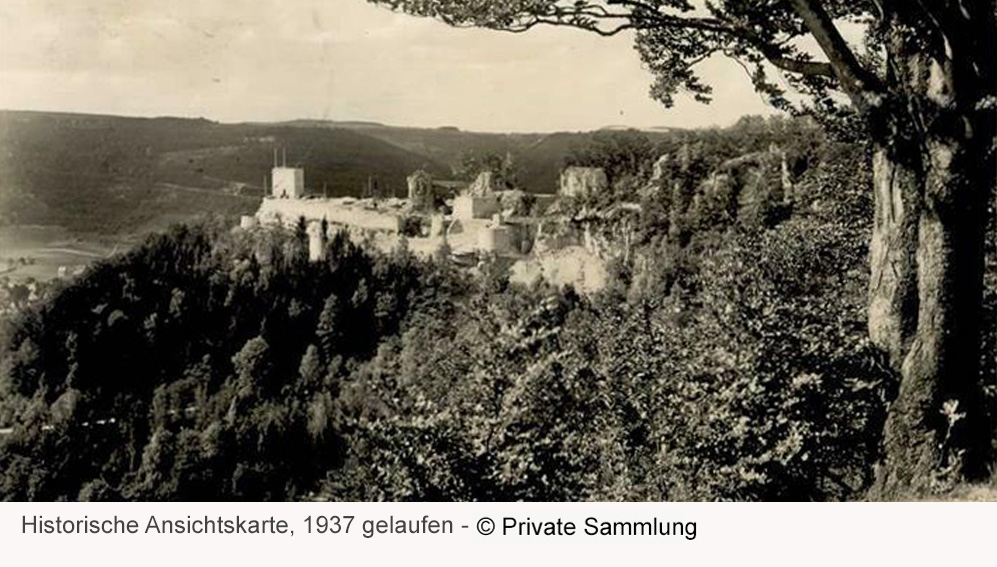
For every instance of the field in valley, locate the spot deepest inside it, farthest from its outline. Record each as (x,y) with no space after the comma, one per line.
(41,252)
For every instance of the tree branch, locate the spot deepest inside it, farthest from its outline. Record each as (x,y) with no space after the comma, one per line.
(773,53)
(528,25)
(811,68)
(859,84)
(610,17)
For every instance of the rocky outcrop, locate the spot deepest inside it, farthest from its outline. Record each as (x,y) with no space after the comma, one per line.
(487,183)
(660,168)
(583,181)
(573,265)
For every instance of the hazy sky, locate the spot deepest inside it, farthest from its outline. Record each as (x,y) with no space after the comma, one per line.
(243,60)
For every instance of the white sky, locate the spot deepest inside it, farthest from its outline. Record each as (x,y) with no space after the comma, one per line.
(264,60)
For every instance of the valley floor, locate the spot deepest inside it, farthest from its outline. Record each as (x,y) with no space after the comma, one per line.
(46,252)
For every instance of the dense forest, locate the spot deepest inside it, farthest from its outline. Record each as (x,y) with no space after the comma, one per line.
(728,358)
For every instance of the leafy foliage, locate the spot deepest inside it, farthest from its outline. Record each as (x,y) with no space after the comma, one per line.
(201,365)
(749,377)
(727,361)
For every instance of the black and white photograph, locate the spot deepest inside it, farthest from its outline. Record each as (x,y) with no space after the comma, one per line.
(498,251)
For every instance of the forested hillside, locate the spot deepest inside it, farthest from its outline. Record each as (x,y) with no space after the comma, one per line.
(727,358)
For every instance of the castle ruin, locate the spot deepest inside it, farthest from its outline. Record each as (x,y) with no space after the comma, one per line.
(483,217)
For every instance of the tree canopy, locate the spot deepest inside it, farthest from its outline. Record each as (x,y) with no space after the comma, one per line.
(673,36)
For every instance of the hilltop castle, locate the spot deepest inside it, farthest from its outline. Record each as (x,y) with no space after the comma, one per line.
(468,220)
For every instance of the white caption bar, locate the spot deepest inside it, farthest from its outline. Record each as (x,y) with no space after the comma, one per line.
(496,534)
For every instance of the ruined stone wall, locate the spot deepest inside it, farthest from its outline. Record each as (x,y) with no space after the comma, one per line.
(475,207)
(334,211)
(500,239)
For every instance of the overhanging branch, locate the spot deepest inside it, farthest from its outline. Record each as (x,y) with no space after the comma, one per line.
(811,68)
(858,83)
(610,17)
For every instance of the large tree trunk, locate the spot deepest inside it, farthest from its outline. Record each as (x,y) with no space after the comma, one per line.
(935,430)
(926,291)
(893,279)
(932,119)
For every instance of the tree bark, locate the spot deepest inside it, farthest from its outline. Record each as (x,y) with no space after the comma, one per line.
(892,249)
(935,428)
(926,291)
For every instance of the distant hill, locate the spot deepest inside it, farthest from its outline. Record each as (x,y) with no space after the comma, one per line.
(120,176)
(540,156)
(114,175)
(650,129)
(446,145)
